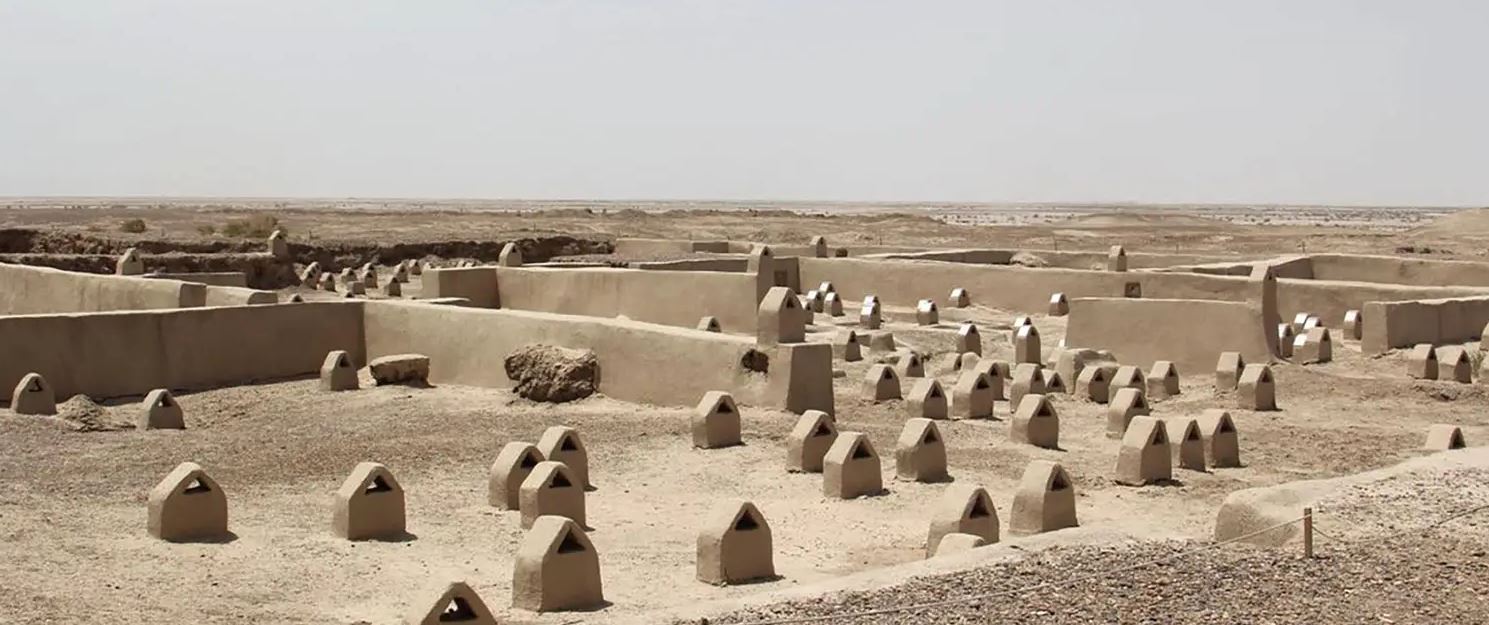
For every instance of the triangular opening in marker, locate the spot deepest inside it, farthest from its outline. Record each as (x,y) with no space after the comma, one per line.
(377,485)
(529,460)
(982,383)
(746,523)
(886,375)
(935,393)
(559,481)
(790,304)
(1456,442)
(822,430)
(979,509)
(165,401)
(1266,376)
(341,361)
(860,453)
(458,611)
(1059,483)
(930,437)
(1192,434)
(725,409)
(570,544)
(34,386)
(197,486)
(1044,410)
(1159,438)
(568,445)
(913,361)
(1225,426)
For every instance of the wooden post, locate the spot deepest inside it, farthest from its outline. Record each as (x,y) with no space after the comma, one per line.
(1308,533)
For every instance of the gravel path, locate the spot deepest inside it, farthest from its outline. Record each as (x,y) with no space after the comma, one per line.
(1440,576)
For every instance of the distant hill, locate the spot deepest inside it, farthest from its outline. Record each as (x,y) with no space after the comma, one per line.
(1120,219)
(1471,222)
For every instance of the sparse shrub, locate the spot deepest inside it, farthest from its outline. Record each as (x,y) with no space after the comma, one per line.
(206,230)
(132,226)
(254,227)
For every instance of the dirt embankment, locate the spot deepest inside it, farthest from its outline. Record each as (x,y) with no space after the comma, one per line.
(262,270)
(535,250)
(89,254)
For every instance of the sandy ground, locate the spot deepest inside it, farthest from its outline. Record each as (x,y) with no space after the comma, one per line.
(72,504)
(1406,544)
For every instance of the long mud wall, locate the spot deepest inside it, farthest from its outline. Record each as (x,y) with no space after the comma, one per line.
(41,290)
(235,296)
(477,284)
(1394,270)
(116,354)
(224,278)
(1329,300)
(658,248)
(1191,333)
(260,271)
(1019,289)
(1055,258)
(675,298)
(1135,260)
(703,263)
(130,353)
(638,361)
(975,257)
(1391,325)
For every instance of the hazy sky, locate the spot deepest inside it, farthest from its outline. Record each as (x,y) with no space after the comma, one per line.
(1287,101)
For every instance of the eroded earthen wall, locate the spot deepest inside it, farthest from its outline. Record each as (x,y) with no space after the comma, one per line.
(1020,289)
(1191,333)
(676,298)
(110,354)
(41,290)
(638,361)
(1389,325)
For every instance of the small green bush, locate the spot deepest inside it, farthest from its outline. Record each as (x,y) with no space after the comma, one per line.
(206,230)
(132,226)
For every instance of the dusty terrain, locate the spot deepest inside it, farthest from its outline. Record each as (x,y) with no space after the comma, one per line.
(72,503)
(1235,229)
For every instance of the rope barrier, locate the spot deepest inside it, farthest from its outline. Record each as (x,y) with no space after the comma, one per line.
(1432,525)
(1083,578)
(1325,535)
(1017,591)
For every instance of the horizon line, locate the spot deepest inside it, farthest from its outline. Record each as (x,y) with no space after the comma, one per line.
(886,203)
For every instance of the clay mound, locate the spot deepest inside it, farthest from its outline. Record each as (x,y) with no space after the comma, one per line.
(1140,219)
(1472,222)
(1027,259)
(1411,494)
(82,414)
(553,374)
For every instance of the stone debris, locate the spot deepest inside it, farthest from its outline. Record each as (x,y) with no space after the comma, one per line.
(553,374)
